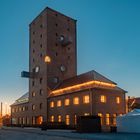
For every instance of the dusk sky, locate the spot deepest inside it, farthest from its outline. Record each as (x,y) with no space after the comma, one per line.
(108,40)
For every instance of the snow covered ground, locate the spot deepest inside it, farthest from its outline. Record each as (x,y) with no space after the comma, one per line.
(37,134)
(16,135)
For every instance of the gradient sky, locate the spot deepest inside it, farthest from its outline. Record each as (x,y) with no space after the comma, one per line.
(108,40)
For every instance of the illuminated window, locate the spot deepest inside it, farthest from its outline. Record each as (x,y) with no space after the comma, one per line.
(39,120)
(86,99)
(59,118)
(67,119)
(59,103)
(33,94)
(67,102)
(23,108)
(47,59)
(52,118)
(52,104)
(114,119)
(33,107)
(117,100)
(103,99)
(101,116)
(86,114)
(107,119)
(76,101)
(75,119)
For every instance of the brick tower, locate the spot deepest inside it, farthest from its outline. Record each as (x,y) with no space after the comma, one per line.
(52,57)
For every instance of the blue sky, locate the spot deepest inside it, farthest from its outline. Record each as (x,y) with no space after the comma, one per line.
(108,40)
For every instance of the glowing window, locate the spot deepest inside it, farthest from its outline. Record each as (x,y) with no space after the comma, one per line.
(52,118)
(33,94)
(52,104)
(47,59)
(39,120)
(33,120)
(67,119)
(114,119)
(33,107)
(59,118)
(103,99)
(76,101)
(117,100)
(23,108)
(86,114)
(59,103)
(101,116)
(107,119)
(20,109)
(67,102)
(75,119)
(86,99)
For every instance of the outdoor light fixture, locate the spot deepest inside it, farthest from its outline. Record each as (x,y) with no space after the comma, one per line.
(83,86)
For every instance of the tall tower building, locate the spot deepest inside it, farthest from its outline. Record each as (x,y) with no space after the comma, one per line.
(52,56)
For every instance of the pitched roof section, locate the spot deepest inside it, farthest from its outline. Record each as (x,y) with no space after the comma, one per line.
(23,99)
(82,78)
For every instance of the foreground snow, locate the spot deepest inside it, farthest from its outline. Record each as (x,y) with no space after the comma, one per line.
(37,134)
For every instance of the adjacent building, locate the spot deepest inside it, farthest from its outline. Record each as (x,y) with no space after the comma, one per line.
(56,92)
(133,103)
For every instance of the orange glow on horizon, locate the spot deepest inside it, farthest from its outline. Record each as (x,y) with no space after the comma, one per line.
(84,86)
